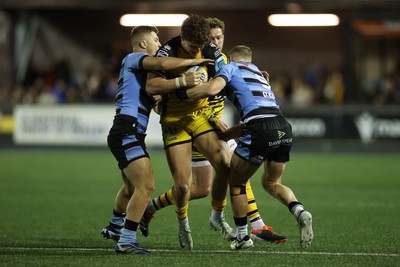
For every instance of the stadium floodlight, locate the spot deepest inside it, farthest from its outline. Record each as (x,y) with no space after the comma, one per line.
(159,20)
(303,20)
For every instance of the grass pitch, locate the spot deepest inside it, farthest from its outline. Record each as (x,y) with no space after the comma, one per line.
(54,204)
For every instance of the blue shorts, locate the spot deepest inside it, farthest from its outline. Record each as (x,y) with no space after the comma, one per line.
(125,142)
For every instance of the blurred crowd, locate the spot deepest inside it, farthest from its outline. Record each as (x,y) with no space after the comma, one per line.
(61,86)
(308,88)
(383,91)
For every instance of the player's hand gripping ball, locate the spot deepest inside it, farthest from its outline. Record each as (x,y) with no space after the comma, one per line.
(202,70)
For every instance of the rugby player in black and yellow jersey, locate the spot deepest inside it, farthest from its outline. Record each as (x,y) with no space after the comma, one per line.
(202,172)
(185,123)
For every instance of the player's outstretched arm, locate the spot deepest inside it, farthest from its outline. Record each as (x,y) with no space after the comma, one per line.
(170,63)
(203,90)
(158,85)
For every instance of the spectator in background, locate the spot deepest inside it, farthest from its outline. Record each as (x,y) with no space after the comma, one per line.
(282,87)
(389,90)
(59,91)
(46,96)
(302,95)
(5,103)
(333,90)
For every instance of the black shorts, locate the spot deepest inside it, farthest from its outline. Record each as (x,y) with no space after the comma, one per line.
(265,139)
(125,142)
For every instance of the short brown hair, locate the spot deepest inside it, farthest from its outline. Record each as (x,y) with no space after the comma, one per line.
(196,30)
(216,23)
(137,31)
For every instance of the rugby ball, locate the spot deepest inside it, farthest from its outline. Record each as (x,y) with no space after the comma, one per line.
(203,72)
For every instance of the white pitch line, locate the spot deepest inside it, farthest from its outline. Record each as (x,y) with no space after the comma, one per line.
(215,251)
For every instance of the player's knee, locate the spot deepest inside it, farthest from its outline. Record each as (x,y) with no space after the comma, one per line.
(221,165)
(182,189)
(202,192)
(236,190)
(145,190)
(128,190)
(150,189)
(269,185)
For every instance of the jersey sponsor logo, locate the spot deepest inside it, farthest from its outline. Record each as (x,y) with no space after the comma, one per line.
(162,53)
(278,142)
(217,53)
(167,47)
(268,95)
(281,134)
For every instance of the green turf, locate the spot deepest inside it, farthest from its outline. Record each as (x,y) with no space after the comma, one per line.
(53,205)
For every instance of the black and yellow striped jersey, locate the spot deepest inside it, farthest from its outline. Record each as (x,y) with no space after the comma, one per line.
(217,102)
(172,106)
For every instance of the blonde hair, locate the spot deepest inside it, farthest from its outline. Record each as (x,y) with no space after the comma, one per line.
(242,51)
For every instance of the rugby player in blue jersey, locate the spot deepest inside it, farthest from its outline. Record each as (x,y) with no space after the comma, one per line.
(126,138)
(265,137)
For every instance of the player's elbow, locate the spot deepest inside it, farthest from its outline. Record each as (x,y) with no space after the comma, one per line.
(162,65)
(212,90)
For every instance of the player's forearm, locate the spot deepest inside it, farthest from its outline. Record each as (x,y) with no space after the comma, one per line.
(159,85)
(233,132)
(170,63)
(197,92)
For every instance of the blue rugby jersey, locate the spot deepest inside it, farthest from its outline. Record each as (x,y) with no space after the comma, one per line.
(247,88)
(131,98)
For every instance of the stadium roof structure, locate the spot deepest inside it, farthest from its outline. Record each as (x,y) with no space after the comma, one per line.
(171,5)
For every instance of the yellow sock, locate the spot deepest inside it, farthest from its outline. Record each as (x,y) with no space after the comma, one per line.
(218,205)
(252,210)
(164,200)
(181,213)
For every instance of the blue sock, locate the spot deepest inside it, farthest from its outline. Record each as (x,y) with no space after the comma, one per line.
(127,236)
(117,221)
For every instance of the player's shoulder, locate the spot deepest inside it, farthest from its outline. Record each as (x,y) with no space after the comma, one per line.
(229,70)
(135,55)
(231,66)
(134,59)
(169,48)
(210,50)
